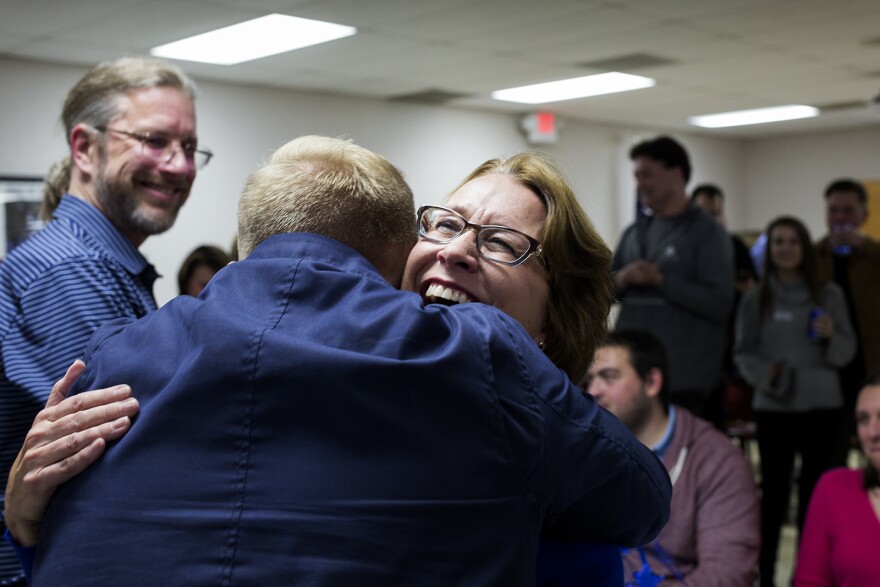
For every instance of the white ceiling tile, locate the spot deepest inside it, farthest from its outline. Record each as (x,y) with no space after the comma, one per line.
(726,54)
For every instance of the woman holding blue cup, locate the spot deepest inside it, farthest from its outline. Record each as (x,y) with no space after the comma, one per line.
(792,334)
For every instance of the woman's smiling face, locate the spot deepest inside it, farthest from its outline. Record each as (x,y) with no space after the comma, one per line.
(785,248)
(455,272)
(868,423)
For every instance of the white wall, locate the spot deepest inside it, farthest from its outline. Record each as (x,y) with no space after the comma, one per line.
(789,175)
(713,160)
(434,147)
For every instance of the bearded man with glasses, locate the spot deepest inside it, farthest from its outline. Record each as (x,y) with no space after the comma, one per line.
(131,128)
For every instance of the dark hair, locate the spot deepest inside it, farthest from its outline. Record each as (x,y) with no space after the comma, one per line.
(646,352)
(871,476)
(666,150)
(808,266)
(709,189)
(848,185)
(212,257)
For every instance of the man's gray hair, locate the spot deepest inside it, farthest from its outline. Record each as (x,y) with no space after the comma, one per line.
(94,100)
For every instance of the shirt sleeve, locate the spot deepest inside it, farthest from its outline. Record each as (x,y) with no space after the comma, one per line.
(871,249)
(747,343)
(25,554)
(611,487)
(727,524)
(621,258)
(578,563)
(57,315)
(814,553)
(599,483)
(709,291)
(589,477)
(842,345)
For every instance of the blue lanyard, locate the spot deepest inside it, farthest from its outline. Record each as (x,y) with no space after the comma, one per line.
(645,577)
(648,577)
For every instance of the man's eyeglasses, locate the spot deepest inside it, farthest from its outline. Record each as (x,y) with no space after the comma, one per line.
(496,243)
(161,148)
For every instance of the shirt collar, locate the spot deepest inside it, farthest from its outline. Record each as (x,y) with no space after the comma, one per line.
(98,227)
(661,447)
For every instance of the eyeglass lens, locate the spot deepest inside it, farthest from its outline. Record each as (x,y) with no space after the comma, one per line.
(497,243)
(163,148)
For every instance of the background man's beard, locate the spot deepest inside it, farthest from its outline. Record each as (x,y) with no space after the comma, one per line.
(638,417)
(120,204)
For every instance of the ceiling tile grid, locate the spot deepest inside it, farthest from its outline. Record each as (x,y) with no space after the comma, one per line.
(706,55)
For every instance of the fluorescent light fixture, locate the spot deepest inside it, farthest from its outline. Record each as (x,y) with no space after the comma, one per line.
(756,116)
(579,87)
(253,39)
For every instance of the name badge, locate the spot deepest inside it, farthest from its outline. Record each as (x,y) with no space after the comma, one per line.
(670,252)
(782,316)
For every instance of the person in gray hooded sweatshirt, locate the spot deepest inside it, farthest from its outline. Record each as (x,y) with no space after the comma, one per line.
(792,334)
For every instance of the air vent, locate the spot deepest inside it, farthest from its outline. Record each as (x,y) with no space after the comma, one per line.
(434,97)
(628,62)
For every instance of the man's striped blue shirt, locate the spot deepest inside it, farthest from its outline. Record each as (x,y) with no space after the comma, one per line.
(56,288)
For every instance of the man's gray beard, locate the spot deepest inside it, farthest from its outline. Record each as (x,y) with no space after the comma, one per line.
(120,204)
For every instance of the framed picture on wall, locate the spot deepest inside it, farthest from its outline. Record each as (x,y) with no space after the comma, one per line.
(20,199)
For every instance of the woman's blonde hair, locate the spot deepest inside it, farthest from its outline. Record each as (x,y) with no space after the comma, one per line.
(578,262)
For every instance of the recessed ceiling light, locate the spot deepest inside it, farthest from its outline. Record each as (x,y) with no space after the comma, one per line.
(253,39)
(755,116)
(579,87)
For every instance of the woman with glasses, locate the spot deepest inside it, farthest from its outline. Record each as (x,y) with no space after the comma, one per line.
(512,235)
